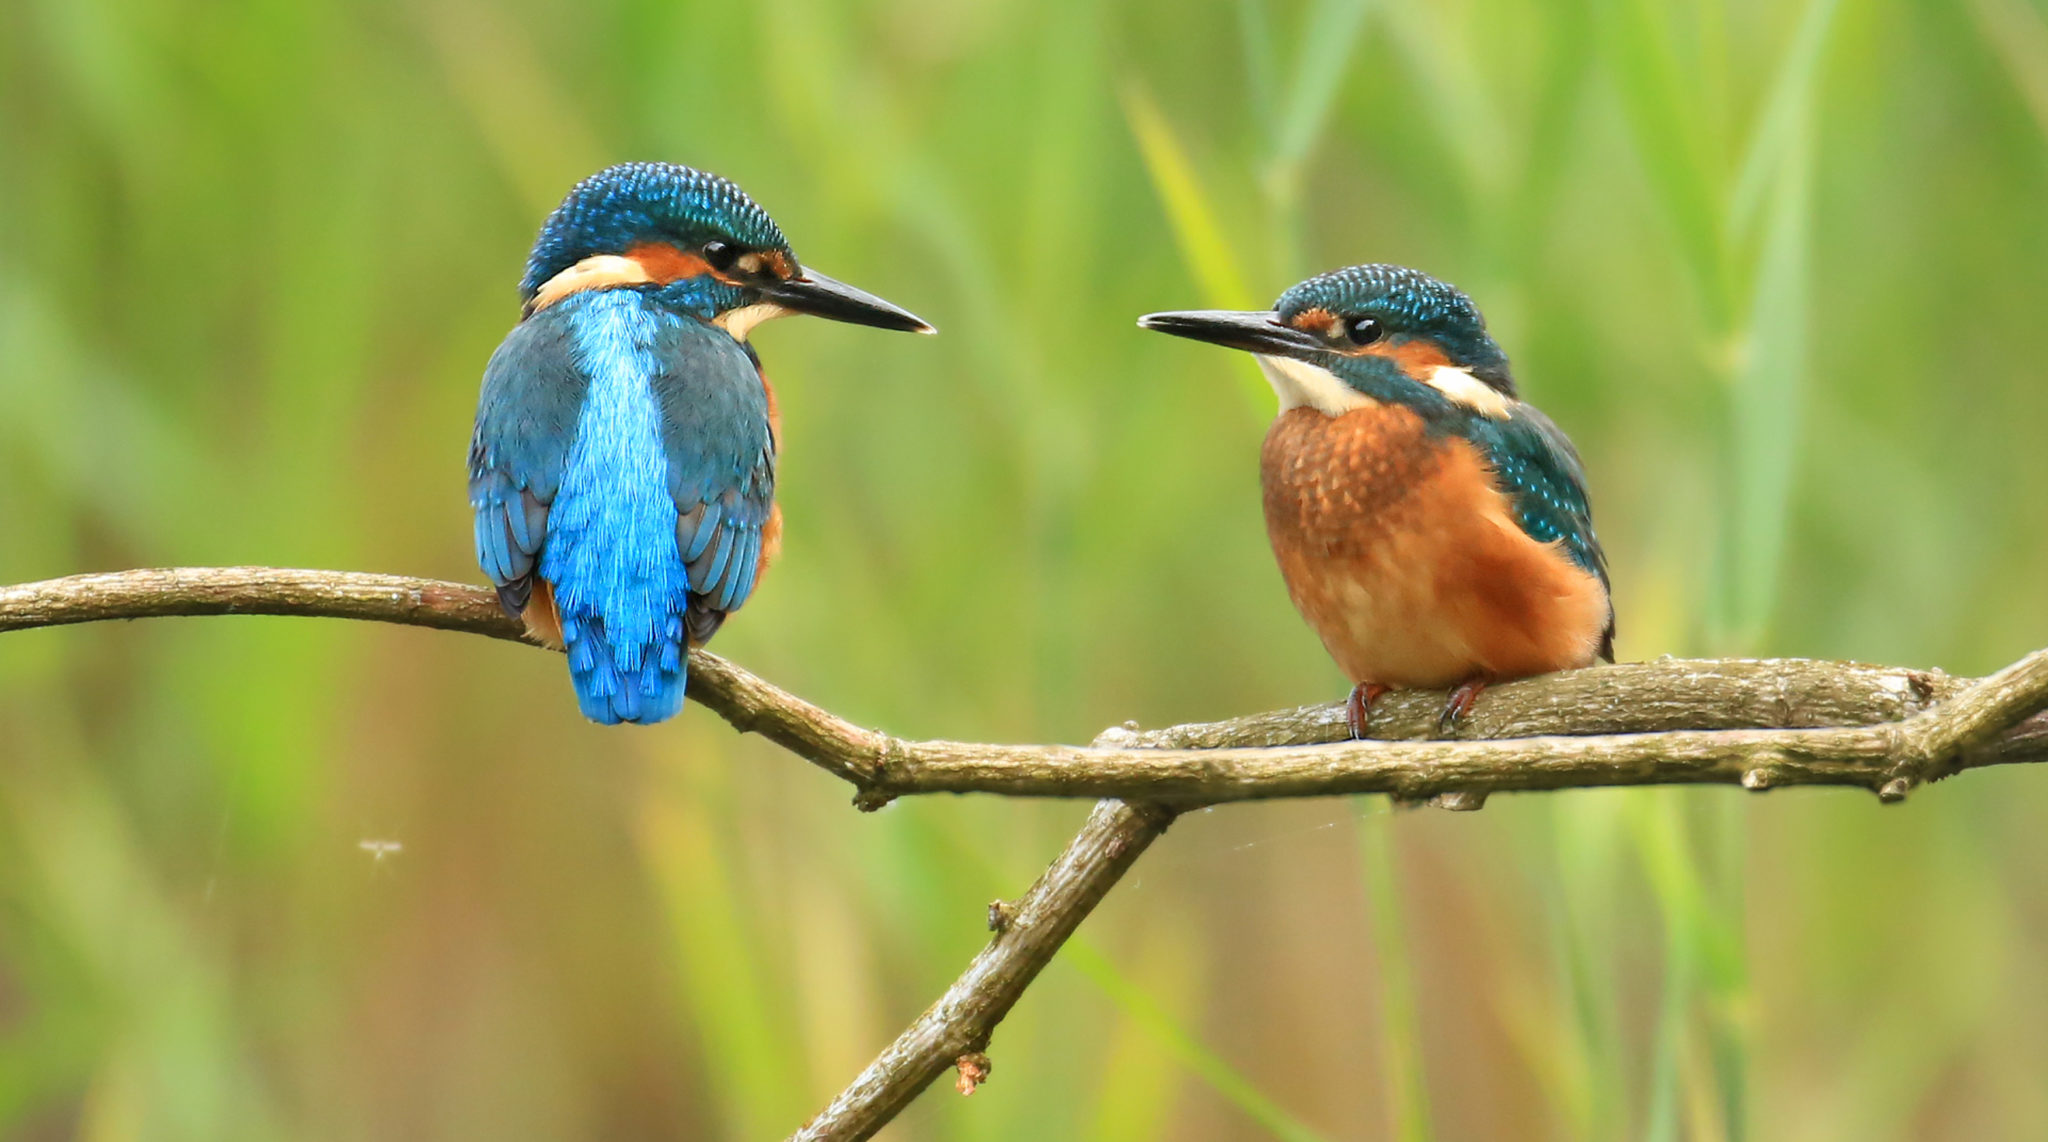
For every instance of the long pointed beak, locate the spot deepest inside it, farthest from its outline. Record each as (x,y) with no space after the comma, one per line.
(1255,332)
(821,296)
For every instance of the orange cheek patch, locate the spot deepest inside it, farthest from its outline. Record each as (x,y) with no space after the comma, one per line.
(1320,322)
(777,263)
(658,263)
(1417,356)
(665,263)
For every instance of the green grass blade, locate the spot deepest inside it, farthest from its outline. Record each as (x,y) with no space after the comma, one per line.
(1406,1081)
(1255,34)
(1460,97)
(1769,396)
(1589,842)
(1142,1085)
(1777,128)
(1137,1004)
(2018,34)
(746,1040)
(1670,124)
(1329,37)
(1705,975)
(1197,226)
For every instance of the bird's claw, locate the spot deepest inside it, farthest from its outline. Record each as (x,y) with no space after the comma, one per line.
(1358,708)
(1458,705)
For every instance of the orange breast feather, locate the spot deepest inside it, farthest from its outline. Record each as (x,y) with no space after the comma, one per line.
(1405,558)
(771,532)
(543,621)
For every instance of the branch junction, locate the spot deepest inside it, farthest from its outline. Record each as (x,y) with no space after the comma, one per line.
(1757,723)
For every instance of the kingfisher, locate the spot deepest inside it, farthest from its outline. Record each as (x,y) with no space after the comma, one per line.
(622,471)
(1431,527)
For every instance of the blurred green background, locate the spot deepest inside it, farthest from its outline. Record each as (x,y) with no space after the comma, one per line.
(1777,267)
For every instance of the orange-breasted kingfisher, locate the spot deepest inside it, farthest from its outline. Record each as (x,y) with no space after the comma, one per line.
(623,466)
(1432,528)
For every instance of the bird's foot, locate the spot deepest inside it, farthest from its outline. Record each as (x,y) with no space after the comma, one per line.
(1358,708)
(1459,705)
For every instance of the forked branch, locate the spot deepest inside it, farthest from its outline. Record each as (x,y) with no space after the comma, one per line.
(1760,724)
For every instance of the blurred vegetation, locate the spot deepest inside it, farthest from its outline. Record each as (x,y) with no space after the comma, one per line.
(1775,266)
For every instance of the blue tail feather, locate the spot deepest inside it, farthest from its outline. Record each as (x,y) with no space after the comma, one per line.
(628,682)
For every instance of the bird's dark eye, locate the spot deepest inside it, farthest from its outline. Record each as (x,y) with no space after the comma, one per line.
(1363,330)
(721,255)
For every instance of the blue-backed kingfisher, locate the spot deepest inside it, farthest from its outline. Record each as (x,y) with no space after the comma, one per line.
(623,466)
(1432,528)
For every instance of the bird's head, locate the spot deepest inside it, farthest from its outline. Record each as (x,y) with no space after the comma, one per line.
(693,241)
(1363,334)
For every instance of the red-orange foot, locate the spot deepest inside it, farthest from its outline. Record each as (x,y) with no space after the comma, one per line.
(1460,704)
(1358,707)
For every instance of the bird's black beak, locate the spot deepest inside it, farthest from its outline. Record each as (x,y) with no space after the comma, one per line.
(813,293)
(1255,332)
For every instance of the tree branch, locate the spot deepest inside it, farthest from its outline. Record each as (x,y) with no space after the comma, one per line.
(1027,934)
(1757,723)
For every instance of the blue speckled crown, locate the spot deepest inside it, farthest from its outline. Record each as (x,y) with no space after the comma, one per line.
(1407,301)
(1393,293)
(630,203)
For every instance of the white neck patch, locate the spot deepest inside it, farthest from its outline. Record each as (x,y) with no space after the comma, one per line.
(1465,389)
(599,271)
(604,271)
(1299,384)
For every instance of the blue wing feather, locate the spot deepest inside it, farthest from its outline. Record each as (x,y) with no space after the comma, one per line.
(1540,472)
(592,409)
(721,459)
(696,528)
(526,420)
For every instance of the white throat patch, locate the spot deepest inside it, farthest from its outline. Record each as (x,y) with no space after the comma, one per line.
(740,322)
(1299,384)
